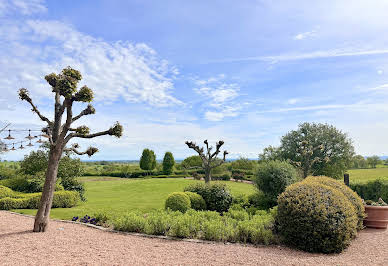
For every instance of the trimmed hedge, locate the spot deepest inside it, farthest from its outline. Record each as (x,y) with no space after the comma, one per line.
(372,190)
(61,199)
(27,185)
(316,218)
(216,195)
(350,194)
(197,202)
(178,201)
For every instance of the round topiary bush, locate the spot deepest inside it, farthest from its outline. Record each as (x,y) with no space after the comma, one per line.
(216,195)
(197,202)
(178,201)
(315,217)
(273,177)
(349,193)
(6,192)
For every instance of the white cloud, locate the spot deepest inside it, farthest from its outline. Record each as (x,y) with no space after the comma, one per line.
(293,101)
(220,96)
(304,35)
(380,72)
(25,7)
(132,71)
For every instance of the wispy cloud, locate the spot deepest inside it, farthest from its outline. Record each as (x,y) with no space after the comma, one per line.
(306,56)
(304,35)
(219,95)
(25,7)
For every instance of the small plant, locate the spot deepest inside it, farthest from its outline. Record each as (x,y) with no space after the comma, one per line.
(197,202)
(380,202)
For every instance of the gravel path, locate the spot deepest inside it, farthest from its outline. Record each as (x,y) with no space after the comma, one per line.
(73,244)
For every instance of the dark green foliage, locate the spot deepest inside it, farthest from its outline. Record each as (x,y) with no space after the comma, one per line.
(8,172)
(34,162)
(225,176)
(28,184)
(234,226)
(168,163)
(217,196)
(197,202)
(192,162)
(352,196)
(372,190)
(272,178)
(260,201)
(316,149)
(359,162)
(316,218)
(178,201)
(148,160)
(243,164)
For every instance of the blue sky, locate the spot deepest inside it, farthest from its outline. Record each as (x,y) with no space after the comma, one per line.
(246,72)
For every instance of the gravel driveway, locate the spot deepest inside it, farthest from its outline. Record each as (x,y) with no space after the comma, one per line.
(73,244)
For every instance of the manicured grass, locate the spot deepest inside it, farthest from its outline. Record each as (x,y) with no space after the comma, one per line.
(119,195)
(365,175)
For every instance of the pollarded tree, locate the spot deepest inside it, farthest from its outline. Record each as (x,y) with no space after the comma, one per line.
(168,163)
(148,160)
(64,86)
(209,159)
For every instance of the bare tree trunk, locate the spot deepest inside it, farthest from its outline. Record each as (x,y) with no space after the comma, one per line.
(208,175)
(43,214)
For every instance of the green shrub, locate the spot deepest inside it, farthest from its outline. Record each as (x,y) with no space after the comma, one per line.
(225,176)
(178,201)
(168,163)
(208,225)
(197,202)
(316,218)
(350,194)
(372,190)
(272,178)
(28,184)
(130,222)
(260,201)
(61,199)
(239,215)
(241,200)
(216,195)
(6,192)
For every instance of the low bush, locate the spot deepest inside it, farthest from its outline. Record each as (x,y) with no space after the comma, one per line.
(225,176)
(234,226)
(272,178)
(197,202)
(372,190)
(350,194)
(6,192)
(178,201)
(61,199)
(27,184)
(216,195)
(316,218)
(241,200)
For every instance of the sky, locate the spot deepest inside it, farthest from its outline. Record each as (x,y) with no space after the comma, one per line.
(245,72)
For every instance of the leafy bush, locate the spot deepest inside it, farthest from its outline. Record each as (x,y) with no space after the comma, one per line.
(61,199)
(236,226)
(7,172)
(238,175)
(272,178)
(197,202)
(28,184)
(178,201)
(241,200)
(216,195)
(6,192)
(350,194)
(196,176)
(225,176)
(316,218)
(260,201)
(372,190)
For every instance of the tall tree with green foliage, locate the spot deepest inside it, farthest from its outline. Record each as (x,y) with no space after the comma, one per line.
(148,160)
(373,161)
(168,163)
(316,149)
(64,86)
(209,159)
(192,162)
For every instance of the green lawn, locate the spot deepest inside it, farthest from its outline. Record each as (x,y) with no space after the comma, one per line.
(118,195)
(364,175)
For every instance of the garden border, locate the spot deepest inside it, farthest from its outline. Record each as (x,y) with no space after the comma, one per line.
(109,230)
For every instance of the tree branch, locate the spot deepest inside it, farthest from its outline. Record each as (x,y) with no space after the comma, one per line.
(90,151)
(87,111)
(23,95)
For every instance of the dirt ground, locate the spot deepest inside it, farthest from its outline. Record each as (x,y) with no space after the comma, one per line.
(74,244)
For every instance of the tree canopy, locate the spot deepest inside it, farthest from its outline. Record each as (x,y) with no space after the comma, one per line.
(168,163)
(316,149)
(148,160)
